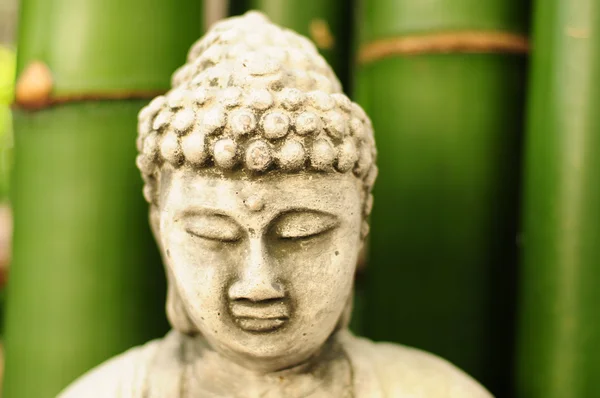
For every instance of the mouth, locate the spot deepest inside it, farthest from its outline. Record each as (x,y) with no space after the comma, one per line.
(260,325)
(260,317)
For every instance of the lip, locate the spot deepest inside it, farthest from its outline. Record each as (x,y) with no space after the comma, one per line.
(260,316)
(259,310)
(260,324)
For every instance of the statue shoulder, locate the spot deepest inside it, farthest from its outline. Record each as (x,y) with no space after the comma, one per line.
(122,376)
(408,372)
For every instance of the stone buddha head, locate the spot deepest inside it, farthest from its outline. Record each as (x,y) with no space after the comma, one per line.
(258,171)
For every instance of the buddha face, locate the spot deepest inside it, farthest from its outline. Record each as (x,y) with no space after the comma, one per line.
(264,266)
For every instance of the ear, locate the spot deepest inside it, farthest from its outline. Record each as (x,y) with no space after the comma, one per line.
(176,313)
(344,321)
(363,251)
(154,219)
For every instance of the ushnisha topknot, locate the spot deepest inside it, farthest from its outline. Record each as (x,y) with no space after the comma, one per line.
(258,97)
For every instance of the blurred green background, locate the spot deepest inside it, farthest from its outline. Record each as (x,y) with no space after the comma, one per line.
(485,242)
(8,12)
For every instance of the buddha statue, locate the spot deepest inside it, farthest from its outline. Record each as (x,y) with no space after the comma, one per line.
(258,171)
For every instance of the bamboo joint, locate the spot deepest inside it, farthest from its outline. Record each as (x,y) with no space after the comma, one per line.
(35,86)
(444,43)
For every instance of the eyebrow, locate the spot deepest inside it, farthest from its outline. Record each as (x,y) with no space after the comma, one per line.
(202,211)
(305,210)
(321,213)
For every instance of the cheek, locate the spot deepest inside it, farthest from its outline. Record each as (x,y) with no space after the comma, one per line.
(322,275)
(200,271)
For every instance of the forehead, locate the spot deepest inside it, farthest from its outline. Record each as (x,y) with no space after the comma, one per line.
(326,191)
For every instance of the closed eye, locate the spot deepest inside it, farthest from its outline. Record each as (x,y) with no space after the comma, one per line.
(303,224)
(214,227)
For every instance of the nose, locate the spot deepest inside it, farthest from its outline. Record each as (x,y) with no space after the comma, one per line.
(258,280)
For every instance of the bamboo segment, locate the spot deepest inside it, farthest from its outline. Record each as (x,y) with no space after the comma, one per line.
(327,23)
(7,72)
(559,321)
(107,47)
(86,280)
(447,118)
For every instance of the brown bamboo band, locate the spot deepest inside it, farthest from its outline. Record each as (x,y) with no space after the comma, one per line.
(35,84)
(71,98)
(49,102)
(443,43)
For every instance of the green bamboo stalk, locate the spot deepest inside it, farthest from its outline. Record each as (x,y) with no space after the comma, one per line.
(7,72)
(327,23)
(86,281)
(447,113)
(559,331)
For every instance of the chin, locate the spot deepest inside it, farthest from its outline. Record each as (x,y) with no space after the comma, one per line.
(271,351)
